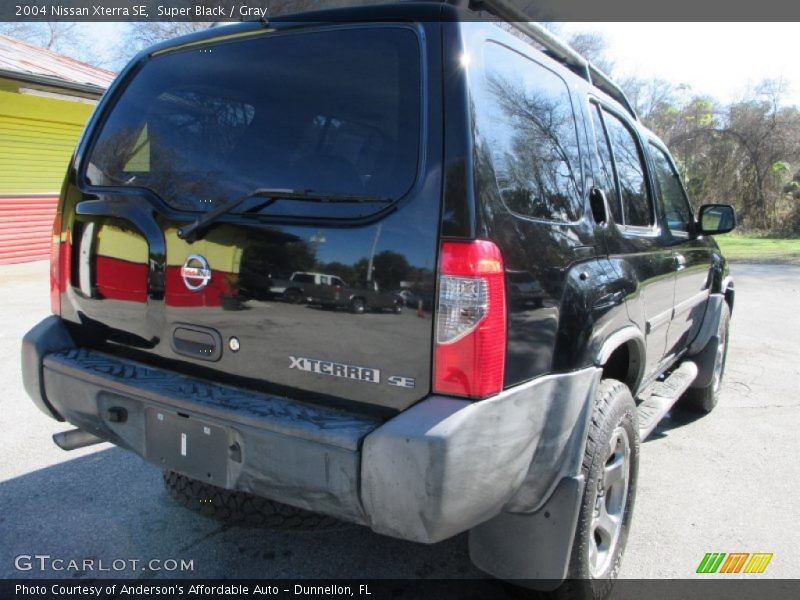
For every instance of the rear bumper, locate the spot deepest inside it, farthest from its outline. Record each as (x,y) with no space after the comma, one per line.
(438,469)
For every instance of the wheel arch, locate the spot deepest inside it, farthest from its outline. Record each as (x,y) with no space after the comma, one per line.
(622,357)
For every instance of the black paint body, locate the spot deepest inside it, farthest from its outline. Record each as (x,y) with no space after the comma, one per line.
(595,278)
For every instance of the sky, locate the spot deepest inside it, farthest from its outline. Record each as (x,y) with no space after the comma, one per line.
(105,40)
(722,60)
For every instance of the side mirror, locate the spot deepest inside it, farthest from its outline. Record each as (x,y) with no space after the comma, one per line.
(716,218)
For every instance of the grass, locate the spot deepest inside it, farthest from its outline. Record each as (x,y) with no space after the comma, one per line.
(759,248)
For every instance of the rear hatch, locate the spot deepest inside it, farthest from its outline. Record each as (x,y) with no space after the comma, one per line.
(217,170)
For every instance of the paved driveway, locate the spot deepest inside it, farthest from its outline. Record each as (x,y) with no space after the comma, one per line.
(724,483)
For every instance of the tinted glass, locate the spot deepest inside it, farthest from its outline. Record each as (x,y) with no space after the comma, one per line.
(676,205)
(332,112)
(527,123)
(636,208)
(605,178)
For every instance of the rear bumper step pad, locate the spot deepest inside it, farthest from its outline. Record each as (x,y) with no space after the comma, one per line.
(296,453)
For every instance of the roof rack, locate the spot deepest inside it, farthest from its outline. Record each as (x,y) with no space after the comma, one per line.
(555,46)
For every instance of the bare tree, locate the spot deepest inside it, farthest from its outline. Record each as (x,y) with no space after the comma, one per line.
(594,47)
(21,31)
(142,35)
(58,36)
(63,37)
(744,153)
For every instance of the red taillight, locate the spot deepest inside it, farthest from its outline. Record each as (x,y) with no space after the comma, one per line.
(470,348)
(59,266)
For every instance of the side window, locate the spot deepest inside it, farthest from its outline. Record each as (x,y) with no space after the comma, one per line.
(636,206)
(605,178)
(676,205)
(528,128)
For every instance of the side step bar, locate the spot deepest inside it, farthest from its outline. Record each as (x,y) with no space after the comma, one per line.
(75,438)
(663,397)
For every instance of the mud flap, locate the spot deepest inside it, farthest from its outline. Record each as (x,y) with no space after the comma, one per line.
(703,350)
(531,550)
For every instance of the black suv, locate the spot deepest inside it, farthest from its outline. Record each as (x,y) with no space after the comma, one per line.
(420,147)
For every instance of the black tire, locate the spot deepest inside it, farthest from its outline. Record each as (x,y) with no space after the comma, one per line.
(240,508)
(357,306)
(703,400)
(614,416)
(293,296)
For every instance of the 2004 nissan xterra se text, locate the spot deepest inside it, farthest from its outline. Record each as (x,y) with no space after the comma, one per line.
(421,149)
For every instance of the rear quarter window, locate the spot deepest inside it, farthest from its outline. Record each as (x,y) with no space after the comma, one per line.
(526,120)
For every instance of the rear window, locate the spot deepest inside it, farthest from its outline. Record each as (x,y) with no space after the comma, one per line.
(333,112)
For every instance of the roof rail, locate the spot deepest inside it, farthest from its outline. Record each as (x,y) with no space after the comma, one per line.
(604,83)
(506,10)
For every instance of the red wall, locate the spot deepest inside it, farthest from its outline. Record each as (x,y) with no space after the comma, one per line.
(26,225)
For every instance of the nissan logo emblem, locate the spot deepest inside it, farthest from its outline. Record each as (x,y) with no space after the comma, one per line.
(196,273)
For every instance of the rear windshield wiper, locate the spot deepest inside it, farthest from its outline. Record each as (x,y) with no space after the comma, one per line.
(194,230)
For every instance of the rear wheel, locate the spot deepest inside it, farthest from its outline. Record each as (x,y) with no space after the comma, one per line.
(240,508)
(358,306)
(703,400)
(610,466)
(293,296)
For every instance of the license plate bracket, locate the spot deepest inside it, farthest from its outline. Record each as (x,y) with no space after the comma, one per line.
(187,445)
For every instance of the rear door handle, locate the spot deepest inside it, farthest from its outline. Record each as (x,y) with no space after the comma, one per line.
(680,261)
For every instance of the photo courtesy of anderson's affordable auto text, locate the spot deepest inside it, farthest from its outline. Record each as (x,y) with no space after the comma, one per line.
(399,299)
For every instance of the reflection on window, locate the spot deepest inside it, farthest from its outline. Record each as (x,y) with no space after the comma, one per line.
(676,205)
(525,116)
(334,112)
(605,178)
(636,207)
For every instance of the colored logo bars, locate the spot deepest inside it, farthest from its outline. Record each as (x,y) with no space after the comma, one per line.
(735,562)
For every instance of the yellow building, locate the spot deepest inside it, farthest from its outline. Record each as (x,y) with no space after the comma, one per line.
(45,101)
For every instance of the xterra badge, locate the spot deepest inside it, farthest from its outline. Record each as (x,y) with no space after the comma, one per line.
(326,367)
